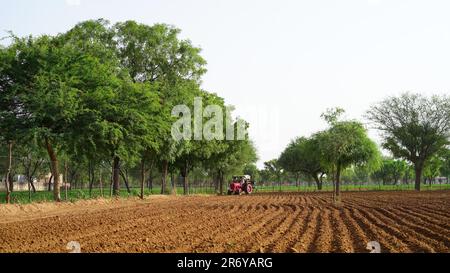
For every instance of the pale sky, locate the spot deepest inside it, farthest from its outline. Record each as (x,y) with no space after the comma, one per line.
(282,63)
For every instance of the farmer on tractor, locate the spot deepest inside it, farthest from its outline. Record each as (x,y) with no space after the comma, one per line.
(241,184)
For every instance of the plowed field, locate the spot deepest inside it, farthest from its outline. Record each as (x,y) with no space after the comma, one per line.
(288,222)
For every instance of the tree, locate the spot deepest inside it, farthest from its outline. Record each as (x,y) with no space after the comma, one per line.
(265,175)
(382,174)
(332,115)
(414,127)
(391,169)
(252,170)
(8,173)
(31,158)
(70,94)
(230,157)
(275,170)
(398,169)
(10,107)
(128,120)
(445,168)
(409,173)
(303,156)
(432,168)
(362,173)
(193,152)
(343,145)
(101,94)
(39,98)
(156,54)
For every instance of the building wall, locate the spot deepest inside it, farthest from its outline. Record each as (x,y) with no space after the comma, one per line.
(21,184)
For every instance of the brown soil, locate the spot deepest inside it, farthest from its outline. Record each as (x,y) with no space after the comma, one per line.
(288,222)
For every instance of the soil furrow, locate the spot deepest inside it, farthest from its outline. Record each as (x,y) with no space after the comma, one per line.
(406,221)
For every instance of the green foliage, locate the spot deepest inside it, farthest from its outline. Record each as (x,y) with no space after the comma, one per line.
(414,127)
(391,170)
(99,92)
(273,170)
(155,53)
(445,168)
(252,170)
(302,156)
(433,167)
(345,144)
(332,115)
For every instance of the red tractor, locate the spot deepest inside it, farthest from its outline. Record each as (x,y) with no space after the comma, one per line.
(241,184)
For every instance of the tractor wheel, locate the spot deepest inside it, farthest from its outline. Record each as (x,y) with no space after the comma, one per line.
(230,192)
(249,189)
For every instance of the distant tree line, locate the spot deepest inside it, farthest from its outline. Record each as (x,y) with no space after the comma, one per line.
(415,131)
(95,104)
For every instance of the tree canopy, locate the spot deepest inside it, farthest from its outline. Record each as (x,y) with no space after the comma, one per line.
(105,93)
(343,145)
(302,155)
(413,127)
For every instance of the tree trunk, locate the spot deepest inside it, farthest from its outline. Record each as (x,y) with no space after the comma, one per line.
(11,182)
(337,194)
(216,183)
(91,177)
(72,179)
(33,187)
(142,177)
(8,176)
(418,170)
(66,178)
(321,180)
(29,191)
(116,176)
(164,176)
(150,175)
(55,171)
(150,182)
(185,173)
(221,182)
(318,182)
(186,184)
(125,179)
(173,184)
(111,182)
(50,182)
(101,183)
